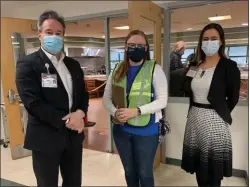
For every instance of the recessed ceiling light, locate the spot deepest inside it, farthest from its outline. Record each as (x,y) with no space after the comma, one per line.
(244,24)
(220,18)
(189,29)
(122,28)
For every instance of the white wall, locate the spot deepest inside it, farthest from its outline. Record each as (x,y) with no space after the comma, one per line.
(177,112)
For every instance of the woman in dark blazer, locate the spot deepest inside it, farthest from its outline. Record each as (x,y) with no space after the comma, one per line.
(212,83)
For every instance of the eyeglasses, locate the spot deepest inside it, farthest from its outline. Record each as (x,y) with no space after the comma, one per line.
(133,45)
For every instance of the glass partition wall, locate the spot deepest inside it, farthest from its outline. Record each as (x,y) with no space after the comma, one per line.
(196,17)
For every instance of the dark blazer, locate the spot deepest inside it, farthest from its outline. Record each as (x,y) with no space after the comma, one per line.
(224,90)
(175,61)
(177,78)
(46,131)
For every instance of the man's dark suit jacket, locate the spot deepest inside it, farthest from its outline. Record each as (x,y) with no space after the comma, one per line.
(224,91)
(46,131)
(177,78)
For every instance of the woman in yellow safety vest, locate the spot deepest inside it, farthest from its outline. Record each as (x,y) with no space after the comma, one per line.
(136,129)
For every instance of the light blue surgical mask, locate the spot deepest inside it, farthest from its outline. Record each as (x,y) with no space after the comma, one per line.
(210,48)
(53,44)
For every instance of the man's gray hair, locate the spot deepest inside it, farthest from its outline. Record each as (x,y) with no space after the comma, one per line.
(50,14)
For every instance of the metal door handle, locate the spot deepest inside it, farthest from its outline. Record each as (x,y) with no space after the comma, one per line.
(12,97)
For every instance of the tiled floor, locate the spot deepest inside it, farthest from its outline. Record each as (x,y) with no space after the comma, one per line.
(103,169)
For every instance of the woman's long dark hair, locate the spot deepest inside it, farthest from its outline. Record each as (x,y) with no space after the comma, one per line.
(200,55)
(123,68)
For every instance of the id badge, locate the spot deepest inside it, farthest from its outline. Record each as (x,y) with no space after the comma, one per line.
(192,72)
(49,80)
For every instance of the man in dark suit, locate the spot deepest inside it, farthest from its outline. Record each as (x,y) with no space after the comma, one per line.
(52,89)
(177,78)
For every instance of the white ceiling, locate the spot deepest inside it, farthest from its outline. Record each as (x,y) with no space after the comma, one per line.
(32,9)
(181,19)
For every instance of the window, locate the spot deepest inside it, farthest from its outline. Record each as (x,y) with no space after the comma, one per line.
(187,52)
(114,56)
(226,51)
(151,55)
(187,30)
(238,51)
(238,54)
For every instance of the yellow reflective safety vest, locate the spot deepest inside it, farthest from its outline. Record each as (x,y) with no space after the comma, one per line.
(140,92)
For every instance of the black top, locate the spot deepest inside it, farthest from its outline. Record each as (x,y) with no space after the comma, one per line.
(46,131)
(224,90)
(175,61)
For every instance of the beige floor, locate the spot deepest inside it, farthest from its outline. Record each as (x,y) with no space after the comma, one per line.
(101,169)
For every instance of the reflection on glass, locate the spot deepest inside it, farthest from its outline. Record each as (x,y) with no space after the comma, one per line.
(236,36)
(18,46)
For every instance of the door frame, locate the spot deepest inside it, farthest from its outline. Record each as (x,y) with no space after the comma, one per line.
(13,111)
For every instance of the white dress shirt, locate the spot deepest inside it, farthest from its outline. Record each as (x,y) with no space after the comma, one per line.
(63,73)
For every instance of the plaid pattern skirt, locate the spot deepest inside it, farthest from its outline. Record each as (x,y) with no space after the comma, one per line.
(207,146)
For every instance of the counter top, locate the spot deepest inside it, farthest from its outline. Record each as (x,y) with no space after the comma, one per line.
(96,77)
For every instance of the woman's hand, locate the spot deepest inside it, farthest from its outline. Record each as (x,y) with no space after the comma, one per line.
(124,114)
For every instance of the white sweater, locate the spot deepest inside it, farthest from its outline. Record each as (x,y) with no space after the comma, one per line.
(155,107)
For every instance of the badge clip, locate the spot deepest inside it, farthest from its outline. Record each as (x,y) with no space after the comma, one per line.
(47,67)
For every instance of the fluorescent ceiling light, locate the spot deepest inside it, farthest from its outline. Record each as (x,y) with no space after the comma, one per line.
(122,28)
(97,52)
(244,24)
(220,18)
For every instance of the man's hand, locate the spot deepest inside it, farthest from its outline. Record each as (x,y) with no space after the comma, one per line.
(124,114)
(75,121)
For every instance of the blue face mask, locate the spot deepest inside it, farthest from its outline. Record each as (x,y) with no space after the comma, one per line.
(53,44)
(210,48)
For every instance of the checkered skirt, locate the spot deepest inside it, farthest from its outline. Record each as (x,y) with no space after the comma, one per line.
(207,146)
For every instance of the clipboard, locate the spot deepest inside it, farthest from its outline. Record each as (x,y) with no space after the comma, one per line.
(118,99)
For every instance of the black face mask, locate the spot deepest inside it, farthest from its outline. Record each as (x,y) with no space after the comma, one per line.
(136,54)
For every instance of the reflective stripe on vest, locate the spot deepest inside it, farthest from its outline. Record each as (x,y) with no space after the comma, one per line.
(145,76)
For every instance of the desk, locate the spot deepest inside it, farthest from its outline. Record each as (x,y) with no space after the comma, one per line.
(92,84)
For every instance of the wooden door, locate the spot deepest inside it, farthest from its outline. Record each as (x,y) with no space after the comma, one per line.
(138,13)
(13,110)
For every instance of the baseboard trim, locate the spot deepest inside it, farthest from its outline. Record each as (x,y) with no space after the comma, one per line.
(247,179)
(236,172)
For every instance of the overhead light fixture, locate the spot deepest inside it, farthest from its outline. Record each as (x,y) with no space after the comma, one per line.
(189,29)
(103,36)
(97,52)
(220,18)
(244,24)
(12,37)
(122,28)
(83,47)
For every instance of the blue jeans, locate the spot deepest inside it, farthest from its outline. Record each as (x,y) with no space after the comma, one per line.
(137,154)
